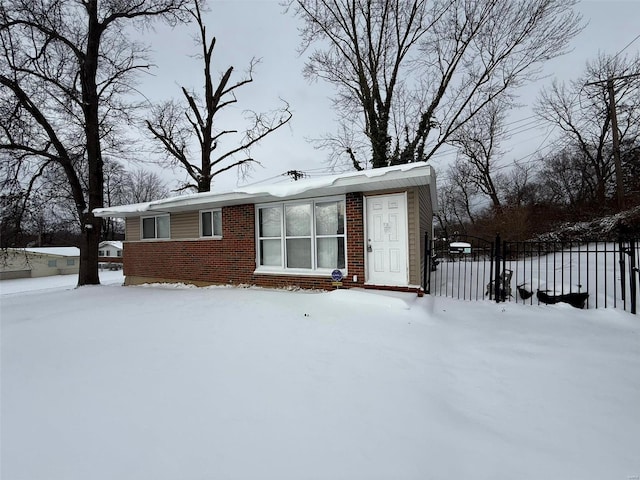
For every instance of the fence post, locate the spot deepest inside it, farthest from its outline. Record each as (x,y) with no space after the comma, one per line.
(426,274)
(505,288)
(633,270)
(623,286)
(496,275)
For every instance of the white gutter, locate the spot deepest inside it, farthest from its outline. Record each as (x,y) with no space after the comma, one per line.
(413,174)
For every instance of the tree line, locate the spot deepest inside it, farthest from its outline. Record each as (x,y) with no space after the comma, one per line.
(576,178)
(42,212)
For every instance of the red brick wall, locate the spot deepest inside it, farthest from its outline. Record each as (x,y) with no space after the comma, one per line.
(232,259)
(355,239)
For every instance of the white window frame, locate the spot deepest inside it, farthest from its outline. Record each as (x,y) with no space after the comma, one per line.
(213,235)
(283,269)
(155,227)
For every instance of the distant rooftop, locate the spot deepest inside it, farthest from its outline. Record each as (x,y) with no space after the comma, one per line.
(113,243)
(59,251)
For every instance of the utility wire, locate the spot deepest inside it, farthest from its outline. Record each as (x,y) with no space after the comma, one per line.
(627,46)
(531,122)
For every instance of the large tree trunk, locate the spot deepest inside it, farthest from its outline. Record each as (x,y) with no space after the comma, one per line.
(174,132)
(91,226)
(88,273)
(56,65)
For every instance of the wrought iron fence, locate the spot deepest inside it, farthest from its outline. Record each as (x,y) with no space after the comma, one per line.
(593,274)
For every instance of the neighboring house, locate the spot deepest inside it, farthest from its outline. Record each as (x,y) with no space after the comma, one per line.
(370,225)
(38,262)
(110,254)
(110,248)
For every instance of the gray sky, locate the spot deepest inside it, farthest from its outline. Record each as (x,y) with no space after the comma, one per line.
(246,29)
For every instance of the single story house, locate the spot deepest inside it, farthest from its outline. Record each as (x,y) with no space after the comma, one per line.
(38,262)
(367,227)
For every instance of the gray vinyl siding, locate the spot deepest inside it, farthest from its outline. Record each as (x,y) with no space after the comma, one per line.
(132,229)
(185,225)
(426,222)
(413,227)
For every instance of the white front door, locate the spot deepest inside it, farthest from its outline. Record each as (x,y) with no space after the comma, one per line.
(386,240)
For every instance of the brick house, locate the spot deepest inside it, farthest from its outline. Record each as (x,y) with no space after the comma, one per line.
(370,225)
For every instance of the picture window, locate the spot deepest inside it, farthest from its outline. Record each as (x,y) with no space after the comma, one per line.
(302,235)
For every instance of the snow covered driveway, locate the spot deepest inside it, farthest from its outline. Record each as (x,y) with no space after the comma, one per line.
(173,383)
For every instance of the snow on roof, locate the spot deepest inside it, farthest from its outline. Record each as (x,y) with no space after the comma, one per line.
(301,186)
(59,251)
(112,243)
(397,176)
(130,208)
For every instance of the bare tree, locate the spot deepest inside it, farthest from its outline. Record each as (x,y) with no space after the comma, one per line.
(64,68)
(631,170)
(122,187)
(115,176)
(464,190)
(36,201)
(413,72)
(460,202)
(518,185)
(38,210)
(582,111)
(11,218)
(144,186)
(447,215)
(478,143)
(175,125)
(563,180)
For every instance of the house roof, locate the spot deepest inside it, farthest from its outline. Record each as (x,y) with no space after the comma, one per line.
(112,243)
(57,251)
(397,176)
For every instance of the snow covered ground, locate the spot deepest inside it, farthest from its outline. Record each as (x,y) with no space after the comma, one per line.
(170,382)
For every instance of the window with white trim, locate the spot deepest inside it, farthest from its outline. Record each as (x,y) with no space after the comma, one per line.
(307,235)
(156,227)
(211,223)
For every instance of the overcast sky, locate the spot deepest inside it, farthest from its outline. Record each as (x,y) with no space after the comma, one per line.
(246,29)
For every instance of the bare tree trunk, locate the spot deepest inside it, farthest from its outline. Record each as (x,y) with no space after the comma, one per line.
(91,226)
(174,126)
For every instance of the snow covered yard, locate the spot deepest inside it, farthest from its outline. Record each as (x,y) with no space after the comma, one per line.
(173,383)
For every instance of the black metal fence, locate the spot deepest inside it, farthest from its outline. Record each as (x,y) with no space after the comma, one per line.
(593,274)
